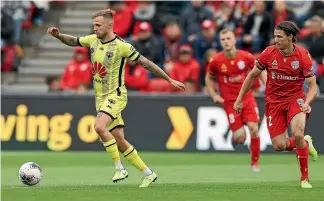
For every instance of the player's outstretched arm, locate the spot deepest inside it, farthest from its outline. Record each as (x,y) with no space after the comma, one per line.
(209,85)
(150,66)
(64,38)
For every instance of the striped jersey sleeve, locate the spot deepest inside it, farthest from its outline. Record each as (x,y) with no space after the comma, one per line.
(128,51)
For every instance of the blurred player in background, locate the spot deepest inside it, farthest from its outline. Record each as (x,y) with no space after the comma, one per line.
(108,55)
(231,66)
(288,66)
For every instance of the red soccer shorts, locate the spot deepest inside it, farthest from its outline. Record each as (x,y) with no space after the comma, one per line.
(279,115)
(250,113)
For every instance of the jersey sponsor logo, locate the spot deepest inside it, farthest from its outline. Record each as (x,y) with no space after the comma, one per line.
(224,68)
(233,79)
(100,81)
(98,68)
(132,48)
(241,65)
(274,64)
(295,64)
(278,76)
(109,55)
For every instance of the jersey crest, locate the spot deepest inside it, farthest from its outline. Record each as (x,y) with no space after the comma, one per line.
(241,65)
(295,64)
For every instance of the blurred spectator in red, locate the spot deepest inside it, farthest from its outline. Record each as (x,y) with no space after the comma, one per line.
(257,29)
(207,39)
(53,84)
(314,42)
(78,71)
(170,45)
(144,12)
(281,13)
(147,43)
(158,85)
(122,18)
(136,77)
(187,67)
(193,16)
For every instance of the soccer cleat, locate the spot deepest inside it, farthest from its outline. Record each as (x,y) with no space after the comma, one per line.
(311,149)
(305,184)
(255,168)
(148,179)
(120,175)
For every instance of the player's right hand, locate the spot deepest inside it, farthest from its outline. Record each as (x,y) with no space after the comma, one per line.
(53,31)
(218,99)
(238,106)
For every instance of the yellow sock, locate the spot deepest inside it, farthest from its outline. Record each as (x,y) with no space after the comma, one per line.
(131,155)
(112,149)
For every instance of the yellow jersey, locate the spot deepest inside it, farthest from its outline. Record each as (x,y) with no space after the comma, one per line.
(108,62)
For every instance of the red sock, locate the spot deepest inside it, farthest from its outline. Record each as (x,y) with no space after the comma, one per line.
(292,144)
(302,157)
(255,150)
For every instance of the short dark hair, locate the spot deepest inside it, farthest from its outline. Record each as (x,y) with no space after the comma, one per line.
(290,28)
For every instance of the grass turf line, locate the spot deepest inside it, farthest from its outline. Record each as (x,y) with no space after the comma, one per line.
(85,176)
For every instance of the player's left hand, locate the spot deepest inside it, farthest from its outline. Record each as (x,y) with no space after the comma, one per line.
(238,106)
(177,84)
(306,108)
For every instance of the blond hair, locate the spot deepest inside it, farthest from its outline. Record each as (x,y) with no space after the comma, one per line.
(107,13)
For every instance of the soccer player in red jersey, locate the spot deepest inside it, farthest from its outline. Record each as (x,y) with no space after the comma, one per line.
(231,66)
(287,66)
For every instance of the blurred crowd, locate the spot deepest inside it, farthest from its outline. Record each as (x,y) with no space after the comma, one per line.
(17,17)
(182,36)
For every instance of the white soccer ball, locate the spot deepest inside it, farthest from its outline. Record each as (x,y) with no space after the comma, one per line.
(30,173)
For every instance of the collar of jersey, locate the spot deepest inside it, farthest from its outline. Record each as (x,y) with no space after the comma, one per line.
(109,41)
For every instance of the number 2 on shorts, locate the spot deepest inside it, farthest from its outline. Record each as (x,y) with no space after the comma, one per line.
(270,120)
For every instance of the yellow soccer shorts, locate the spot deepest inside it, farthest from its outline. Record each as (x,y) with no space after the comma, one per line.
(113,105)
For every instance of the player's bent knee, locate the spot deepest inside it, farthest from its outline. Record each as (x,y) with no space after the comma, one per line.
(280,146)
(239,135)
(99,128)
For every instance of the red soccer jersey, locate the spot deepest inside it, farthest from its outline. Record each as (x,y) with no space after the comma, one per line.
(286,74)
(231,73)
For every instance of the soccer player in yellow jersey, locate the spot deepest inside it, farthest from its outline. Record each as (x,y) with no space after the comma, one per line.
(108,56)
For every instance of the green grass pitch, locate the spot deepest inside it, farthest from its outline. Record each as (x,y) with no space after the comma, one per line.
(86,176)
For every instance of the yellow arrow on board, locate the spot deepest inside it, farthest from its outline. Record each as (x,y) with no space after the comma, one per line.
(182,128)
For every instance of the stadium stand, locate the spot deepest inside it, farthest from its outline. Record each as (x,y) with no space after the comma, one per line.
(160,26)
